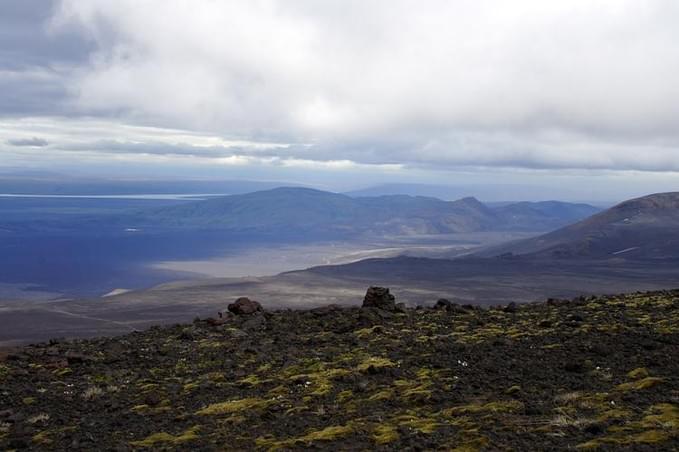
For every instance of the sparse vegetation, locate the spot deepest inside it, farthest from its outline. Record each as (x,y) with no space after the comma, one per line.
(463,380)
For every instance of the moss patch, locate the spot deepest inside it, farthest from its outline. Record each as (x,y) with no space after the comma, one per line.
(233,406)
(166,438)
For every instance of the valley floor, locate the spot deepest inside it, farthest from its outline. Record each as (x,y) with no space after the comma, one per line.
(586,374)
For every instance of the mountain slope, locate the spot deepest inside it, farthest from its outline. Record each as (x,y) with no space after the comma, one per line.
(592,373)
(646,227)
(544,215)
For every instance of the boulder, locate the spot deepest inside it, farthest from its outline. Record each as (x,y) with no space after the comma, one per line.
(379,297)
(442,303)
(245,306)
(511,308)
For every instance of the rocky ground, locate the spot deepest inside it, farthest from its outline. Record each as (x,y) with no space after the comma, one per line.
(595,373)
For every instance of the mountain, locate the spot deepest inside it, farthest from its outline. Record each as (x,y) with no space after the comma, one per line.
(445,192)
(307,210)
(488,192)
(45,183)
(544,215)
(646,227)
(593,373)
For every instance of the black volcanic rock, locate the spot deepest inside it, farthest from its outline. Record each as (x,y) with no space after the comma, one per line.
(379,297)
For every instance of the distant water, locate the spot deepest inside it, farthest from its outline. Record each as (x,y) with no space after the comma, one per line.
(176,196)
(95,264)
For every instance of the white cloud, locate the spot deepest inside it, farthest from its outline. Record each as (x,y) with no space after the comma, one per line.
(532,84)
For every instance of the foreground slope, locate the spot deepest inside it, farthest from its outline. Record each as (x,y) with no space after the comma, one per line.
(588,373)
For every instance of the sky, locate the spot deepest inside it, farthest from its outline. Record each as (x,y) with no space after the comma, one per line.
(573,99)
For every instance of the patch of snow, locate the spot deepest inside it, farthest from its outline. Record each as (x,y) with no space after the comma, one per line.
(626,250)
(115,292)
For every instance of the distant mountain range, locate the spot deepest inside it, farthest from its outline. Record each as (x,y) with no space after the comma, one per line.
(646,227)
(45,183)
(303,209)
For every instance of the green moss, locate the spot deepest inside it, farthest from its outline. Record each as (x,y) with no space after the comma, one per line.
(264,368)
(252,380)
(508,406)
(279,390)
(344,396)
(638,373)
(512,390)
(614,414)
(191,386)
(375,362)
(321,380)
(420,424)
(647,437)
(166,438)
(28,400)
(63,372)
(325,435)
(385,434)
(384,394)
(366,332)
(660,424)
(233,406)
(644,383)
(42,438)
(664,415)
(420,392)
(473,445)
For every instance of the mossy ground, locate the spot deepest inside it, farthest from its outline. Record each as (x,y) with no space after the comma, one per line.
(598,373)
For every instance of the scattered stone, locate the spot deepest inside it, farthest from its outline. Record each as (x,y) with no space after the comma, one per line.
(511,308)
(325,310)
(575,318)
(245,306)
(442,303)
(379,297)
(257,322)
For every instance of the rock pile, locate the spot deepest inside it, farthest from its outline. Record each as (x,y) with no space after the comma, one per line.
(245,306)
(379,297)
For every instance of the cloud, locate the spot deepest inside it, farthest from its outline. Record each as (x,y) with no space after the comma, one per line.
(576,84)
(29,142)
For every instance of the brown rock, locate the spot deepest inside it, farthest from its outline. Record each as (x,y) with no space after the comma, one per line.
(379,297)
(245,306)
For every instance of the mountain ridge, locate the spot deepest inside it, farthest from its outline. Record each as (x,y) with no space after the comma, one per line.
(643,227)
(305,209)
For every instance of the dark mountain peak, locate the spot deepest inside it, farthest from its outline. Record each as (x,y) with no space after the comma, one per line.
(657,201)
(471,201)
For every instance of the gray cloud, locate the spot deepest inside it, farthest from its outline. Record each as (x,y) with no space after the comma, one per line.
(577,84)
(28,142)
(35,61)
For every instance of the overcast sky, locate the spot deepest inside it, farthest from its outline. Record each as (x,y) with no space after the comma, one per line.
(577,98)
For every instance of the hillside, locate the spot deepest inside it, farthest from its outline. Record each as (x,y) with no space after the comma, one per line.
(639,228)
(305,210)
(590,373)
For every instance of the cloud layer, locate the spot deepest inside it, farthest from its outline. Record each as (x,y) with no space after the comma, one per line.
(578,84)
